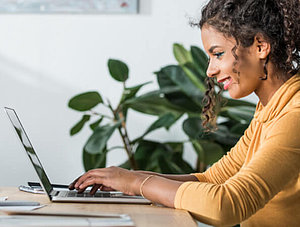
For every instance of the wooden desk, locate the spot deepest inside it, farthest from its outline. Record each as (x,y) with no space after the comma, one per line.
(142,215)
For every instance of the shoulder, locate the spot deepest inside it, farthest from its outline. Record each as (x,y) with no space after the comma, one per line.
(295,101)
(293,106)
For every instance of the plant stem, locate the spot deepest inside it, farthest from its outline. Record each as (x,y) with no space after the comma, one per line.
(102,115)
(116,147)
(124,135)
(126,142)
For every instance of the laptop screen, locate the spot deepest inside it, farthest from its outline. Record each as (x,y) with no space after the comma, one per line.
(29,149)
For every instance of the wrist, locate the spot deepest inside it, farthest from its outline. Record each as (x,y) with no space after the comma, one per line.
(143,183)
(137,183)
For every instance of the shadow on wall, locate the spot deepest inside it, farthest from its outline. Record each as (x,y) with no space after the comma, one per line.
(41,102)
(14,72)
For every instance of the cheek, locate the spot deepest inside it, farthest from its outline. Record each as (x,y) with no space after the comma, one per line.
(250,63)
(243,85)
(230,65)
(227,66)
(238,90)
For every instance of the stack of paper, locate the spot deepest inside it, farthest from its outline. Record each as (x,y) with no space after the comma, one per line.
(34,219)
(18,205)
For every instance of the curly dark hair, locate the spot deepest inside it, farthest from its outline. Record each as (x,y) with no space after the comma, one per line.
(277,20)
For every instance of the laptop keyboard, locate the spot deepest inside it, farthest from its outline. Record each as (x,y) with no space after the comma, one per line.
(85,194)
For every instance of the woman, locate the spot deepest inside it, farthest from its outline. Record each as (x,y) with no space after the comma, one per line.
(253,46)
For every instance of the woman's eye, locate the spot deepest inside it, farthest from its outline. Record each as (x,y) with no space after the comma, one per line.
(219,54)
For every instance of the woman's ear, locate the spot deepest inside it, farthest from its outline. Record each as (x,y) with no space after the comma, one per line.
(263,47)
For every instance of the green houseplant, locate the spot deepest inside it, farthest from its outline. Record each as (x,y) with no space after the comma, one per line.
(180,94)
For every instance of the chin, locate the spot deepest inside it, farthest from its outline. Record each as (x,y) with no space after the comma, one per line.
(236,95)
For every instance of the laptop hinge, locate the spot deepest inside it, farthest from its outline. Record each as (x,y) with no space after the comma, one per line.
(54,193)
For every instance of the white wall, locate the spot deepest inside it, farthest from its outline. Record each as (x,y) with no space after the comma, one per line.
(46,59)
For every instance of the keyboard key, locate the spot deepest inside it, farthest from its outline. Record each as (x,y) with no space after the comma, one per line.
(105,195)
(80,195)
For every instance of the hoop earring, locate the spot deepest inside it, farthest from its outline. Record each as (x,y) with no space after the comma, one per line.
(265,69)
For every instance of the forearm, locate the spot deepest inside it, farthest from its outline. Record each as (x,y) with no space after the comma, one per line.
(158,189)
(175,177)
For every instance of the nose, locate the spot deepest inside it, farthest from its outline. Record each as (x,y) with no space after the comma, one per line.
(212,69)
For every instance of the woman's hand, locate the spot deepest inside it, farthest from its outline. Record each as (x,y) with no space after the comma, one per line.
(113,178)
(157,188)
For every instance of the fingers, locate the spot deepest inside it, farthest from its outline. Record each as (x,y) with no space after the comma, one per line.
(88,182)
(95,188)
(104,188)
(75,184)
(100,187)
(95,178)
(95,173)
(72,185)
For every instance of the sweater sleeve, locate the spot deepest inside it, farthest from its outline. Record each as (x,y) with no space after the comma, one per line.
(230,163)
(272,167)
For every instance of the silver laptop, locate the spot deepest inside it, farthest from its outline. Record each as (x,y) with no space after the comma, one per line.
(65,195)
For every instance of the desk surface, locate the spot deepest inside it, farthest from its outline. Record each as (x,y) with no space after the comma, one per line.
(142,215)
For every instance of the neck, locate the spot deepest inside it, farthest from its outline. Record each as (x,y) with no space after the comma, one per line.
(268,87)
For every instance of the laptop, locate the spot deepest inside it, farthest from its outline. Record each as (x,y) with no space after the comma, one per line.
(65,195)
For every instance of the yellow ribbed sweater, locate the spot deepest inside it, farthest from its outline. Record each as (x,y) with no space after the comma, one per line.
(258,182)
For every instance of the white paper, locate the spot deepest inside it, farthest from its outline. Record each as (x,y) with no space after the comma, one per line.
(34,221)
(20,208)
(3,198)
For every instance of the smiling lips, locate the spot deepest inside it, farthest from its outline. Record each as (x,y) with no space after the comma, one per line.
(226,82)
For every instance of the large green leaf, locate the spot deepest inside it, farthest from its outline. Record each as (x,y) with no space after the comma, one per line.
(161,157)
(85,101)
(198,149)
(183,102)
(235,102)
(144,151)
(165,120)
(239,129)
(76,128)
(229,122)
(168,167)
(181,54)
(213,152)
(176,157)
(154,103)
(94,125)
(210,151)
(192,75)
(92,161)
(130,92)
(223,136)
(193,127)
(97,141)
(118,70)
(153,106)
(181,163)
(177,97)
(178,76)
(244,114)
(200,61)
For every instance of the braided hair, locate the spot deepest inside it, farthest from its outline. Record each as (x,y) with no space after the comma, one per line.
(277,20)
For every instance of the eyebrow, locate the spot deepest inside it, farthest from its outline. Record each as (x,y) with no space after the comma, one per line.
(211,49)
